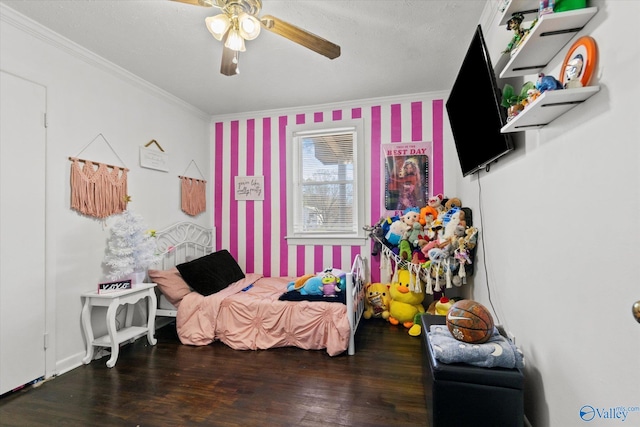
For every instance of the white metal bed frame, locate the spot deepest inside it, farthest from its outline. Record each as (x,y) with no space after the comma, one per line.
(184,241)
(176,244)
(356,282)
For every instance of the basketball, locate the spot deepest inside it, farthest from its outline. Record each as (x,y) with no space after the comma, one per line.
(470,321)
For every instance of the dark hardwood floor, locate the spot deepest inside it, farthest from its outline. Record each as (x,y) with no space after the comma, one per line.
(171,384)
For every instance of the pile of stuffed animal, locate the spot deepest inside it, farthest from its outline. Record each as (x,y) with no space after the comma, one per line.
(328,283)
(436,238)
(400,303)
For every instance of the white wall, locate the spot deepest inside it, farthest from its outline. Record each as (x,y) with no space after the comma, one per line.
(559,236)
(86,97)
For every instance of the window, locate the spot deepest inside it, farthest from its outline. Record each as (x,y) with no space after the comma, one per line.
(325,183)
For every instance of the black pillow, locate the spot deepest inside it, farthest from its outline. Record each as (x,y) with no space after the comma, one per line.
(211,273)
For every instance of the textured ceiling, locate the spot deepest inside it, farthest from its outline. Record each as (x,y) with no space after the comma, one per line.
(389,48)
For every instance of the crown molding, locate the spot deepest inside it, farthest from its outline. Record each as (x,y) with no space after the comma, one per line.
(360,103)
(37,30)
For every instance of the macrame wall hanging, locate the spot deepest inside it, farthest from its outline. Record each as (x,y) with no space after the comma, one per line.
(193,193)
(98,189)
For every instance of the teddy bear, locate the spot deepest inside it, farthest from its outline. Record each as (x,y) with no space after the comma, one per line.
(377,301)
(436,203)
(453,202)
(405,303)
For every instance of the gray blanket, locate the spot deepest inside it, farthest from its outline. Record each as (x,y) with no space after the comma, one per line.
(496,352)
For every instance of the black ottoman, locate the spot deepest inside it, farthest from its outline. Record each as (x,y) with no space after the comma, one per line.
(462,395)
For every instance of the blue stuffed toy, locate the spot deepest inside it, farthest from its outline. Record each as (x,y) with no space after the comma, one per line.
(545,83)
(307,285)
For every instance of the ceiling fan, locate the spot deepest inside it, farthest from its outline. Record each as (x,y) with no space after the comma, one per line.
(239,21)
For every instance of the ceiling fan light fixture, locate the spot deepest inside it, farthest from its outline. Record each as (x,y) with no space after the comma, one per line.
(249,26)
(218,25)
(235,41)
(240,21)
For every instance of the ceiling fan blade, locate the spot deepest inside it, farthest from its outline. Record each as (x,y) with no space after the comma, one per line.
(203,3)
(229,63)
(300,36)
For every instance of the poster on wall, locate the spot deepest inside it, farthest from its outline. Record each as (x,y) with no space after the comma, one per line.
(406,179)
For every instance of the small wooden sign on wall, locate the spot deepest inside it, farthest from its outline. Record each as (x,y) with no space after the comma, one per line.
(249,187)
(152,159)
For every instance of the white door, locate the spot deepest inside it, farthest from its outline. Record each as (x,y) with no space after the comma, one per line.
(22,231)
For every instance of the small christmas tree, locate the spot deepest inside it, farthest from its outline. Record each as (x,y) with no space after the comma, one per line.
(131,247)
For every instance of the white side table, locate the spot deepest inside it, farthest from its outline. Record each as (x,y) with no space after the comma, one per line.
(113,300)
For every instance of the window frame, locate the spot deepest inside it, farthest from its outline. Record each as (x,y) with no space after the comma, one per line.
(294,168)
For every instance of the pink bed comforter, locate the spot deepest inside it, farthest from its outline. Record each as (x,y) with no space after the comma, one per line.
(255,319)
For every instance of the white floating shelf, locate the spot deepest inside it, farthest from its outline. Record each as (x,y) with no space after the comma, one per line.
(552,32)
(548,107)
(529,8)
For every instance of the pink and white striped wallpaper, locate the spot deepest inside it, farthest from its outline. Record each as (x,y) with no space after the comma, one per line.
(254,231)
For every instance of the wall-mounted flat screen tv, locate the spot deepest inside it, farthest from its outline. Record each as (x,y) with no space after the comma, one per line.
(475,111)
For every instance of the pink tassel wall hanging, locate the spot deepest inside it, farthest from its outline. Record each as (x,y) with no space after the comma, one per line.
(98,192)
(98,189)
(193,194)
